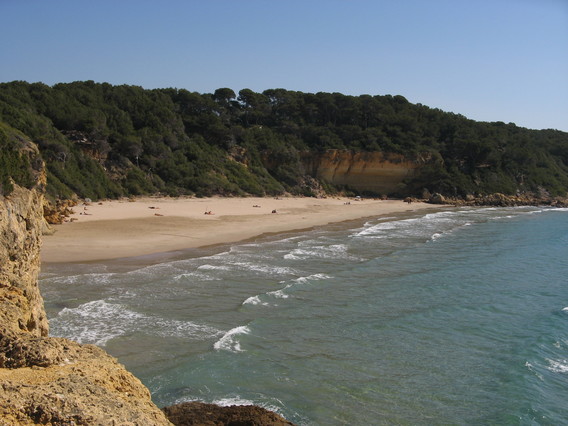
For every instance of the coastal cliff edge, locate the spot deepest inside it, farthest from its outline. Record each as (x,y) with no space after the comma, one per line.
(56,381)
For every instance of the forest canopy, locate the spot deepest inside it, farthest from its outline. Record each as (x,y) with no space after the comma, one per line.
(105,141)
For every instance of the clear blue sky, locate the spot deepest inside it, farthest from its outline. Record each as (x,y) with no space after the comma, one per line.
(490,60)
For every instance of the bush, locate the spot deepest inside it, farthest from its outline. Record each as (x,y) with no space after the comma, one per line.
(14,163)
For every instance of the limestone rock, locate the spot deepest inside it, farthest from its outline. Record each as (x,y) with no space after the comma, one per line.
(437,199)
(78,384)
(21,223)
(56,214)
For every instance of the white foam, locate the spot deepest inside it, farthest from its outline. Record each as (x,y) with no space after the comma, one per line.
(99,321)
(298,254)
(279,293)
(208,267)
(94,278)
(334,251)
(177,328)
(227,402)
(272,270)
(254,300)
(313,277)
(159,269)
(565,309)
(94,322)
(275,405)
(558,366)
(375,229)
(229,340)
(189,276)
(300,280)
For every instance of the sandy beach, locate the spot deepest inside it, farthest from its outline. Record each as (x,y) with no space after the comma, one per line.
(124,228)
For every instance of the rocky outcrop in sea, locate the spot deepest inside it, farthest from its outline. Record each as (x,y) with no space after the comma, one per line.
(499,200)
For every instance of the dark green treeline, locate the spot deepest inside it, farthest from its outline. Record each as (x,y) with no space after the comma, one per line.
(100,140)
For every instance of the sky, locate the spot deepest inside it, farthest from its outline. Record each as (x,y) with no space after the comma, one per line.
(489,60)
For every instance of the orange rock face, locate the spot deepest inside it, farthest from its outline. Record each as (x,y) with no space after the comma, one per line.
(363,171)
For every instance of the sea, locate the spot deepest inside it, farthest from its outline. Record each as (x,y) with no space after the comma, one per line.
(453,316)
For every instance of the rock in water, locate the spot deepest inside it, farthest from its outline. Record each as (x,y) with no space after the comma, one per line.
(198,413)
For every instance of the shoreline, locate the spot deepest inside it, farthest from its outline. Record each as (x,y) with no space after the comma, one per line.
(118,229)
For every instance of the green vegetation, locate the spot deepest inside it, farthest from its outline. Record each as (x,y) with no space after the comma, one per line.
(15,160)
(100,140)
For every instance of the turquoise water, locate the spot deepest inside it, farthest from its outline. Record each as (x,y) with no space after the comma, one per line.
(449,317)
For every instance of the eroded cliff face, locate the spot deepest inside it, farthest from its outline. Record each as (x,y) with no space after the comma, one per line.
(364,171)
(21,224)
(49,380)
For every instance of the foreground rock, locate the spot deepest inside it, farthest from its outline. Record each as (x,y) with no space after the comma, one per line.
(198,413)
(59,382)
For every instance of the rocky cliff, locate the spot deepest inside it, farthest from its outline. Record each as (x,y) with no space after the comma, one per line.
(43,379)
(363,171)
(55,381)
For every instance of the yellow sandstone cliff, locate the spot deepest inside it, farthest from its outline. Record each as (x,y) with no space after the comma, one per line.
(363,171)
(47,380)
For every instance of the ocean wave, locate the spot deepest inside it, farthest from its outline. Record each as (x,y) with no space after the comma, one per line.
(333,251)
(238,265)
(376,229)
(237,400)
(557,366)
(254,300)
(208,267)
(90,279)
(436,236)
(190,276)
(99,321)
(313,277)
(268,269)
(281,293)
(90,322)
(430,226)
(158,269)
(229,340)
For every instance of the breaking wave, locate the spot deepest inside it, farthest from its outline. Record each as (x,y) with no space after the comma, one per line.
(229,341)
(99,321)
